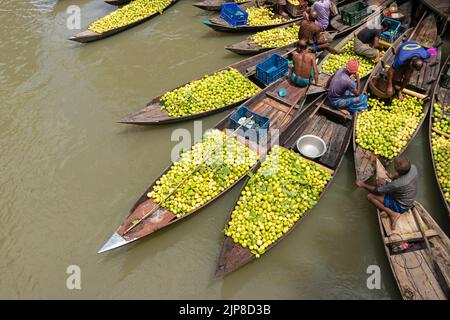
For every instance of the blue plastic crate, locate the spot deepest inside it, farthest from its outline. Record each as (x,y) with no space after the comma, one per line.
(271,69)
(392,34)
(231,13)
(261,121)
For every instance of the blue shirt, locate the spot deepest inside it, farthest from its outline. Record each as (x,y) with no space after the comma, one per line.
(340,83)
(408,50)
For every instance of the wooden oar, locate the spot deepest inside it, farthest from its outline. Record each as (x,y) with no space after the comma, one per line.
(445,134)
(179,184)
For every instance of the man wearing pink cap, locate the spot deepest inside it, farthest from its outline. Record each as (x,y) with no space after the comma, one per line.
(342,92)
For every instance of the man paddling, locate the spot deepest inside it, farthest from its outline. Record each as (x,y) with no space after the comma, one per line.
(342,92)
(305,67)
(310,32)
(410,57)
(395,197)
(367,41)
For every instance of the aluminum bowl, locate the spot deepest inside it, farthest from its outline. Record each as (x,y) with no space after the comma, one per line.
(311,146)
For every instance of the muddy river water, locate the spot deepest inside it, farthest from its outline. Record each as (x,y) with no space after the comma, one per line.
(69,173)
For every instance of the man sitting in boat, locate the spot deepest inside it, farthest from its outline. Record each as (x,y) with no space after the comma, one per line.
(324,9)
(282,8)
(395,197)
(310,32)
(342,91)
(410,57)
(367,41)
(305,67)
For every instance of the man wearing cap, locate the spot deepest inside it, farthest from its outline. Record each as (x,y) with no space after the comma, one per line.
(367,41)
(410,57)
(342,92)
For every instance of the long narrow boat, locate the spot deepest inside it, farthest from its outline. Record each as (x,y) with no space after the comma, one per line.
(218,24)
(117,2)
(324,76)
(441,96)
(421,82)
(213,5)
(442,8)
(90,36)
(153,113)
(318,119)
(267,103)
(422,271)
(249,47)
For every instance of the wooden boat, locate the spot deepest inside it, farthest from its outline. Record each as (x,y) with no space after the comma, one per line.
(421,83)
(213,5)
(280,111)
(152,114)
(118,2)
(248,47)
(90,36)
(321,120)
(441,8)
(422,271)
(441,95)
(218,24)
(324,76)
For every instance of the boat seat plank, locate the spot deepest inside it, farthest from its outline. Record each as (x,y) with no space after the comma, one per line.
(394,238)
(293,93)
(336,112)
(338,138)
(364,163)
(277,105)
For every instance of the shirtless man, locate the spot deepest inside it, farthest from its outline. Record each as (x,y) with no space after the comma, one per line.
(305,67)
(310,32)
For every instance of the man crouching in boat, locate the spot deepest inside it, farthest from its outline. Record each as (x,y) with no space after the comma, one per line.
(343,93)
(305,67)
(367,41)
(395,197)
(410,57)
(311,33)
